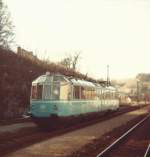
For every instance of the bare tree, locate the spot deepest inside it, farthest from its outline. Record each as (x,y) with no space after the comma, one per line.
(71,61)
(66,62)
(75,60)
(6,27)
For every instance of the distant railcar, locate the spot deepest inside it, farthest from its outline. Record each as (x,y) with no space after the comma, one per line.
(56,97)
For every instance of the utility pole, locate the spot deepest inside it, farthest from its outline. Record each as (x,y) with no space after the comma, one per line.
(138,91)
(108,79)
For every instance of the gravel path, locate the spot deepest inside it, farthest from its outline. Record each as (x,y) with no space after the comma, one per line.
(63,145)
(15,127)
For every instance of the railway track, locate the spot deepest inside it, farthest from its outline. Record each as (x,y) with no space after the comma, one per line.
(13,143)
(123,146)
(147,153)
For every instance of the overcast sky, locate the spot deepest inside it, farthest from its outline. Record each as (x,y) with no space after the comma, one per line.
(107,32)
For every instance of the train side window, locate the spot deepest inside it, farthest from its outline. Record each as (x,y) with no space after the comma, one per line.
(76,92)
(34,92)
(113,95)
(108,94)
(39,91)
(92,94)
(97,94)
(104,95)
(89,93)
(116,95)
(86,93)
(101,94)
(82,93)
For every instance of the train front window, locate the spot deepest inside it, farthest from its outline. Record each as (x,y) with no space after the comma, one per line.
(47,92)
(51,92)
(56,92)
(37,91)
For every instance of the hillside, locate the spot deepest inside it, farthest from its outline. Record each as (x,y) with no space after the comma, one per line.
(16,75)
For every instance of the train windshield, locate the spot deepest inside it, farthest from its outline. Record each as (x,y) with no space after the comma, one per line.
(46,92)
(50,88)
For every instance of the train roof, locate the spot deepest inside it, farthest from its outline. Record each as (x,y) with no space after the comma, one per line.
(111,88)
(47,79)
(42,79)
(77,82)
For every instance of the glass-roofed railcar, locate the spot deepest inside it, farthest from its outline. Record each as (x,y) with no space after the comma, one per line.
(55,97)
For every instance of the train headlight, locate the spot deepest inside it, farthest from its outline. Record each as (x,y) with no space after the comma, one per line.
(56,92)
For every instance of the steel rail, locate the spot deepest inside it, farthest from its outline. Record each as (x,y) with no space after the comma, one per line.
(110,147)
(147,154)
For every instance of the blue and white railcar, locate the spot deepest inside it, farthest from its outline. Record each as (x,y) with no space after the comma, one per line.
(62,97)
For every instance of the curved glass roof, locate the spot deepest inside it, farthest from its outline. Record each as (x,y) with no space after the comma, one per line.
(42,79)
(48,79)
(84,83)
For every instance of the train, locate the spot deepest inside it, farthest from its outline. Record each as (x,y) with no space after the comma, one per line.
(56,97)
